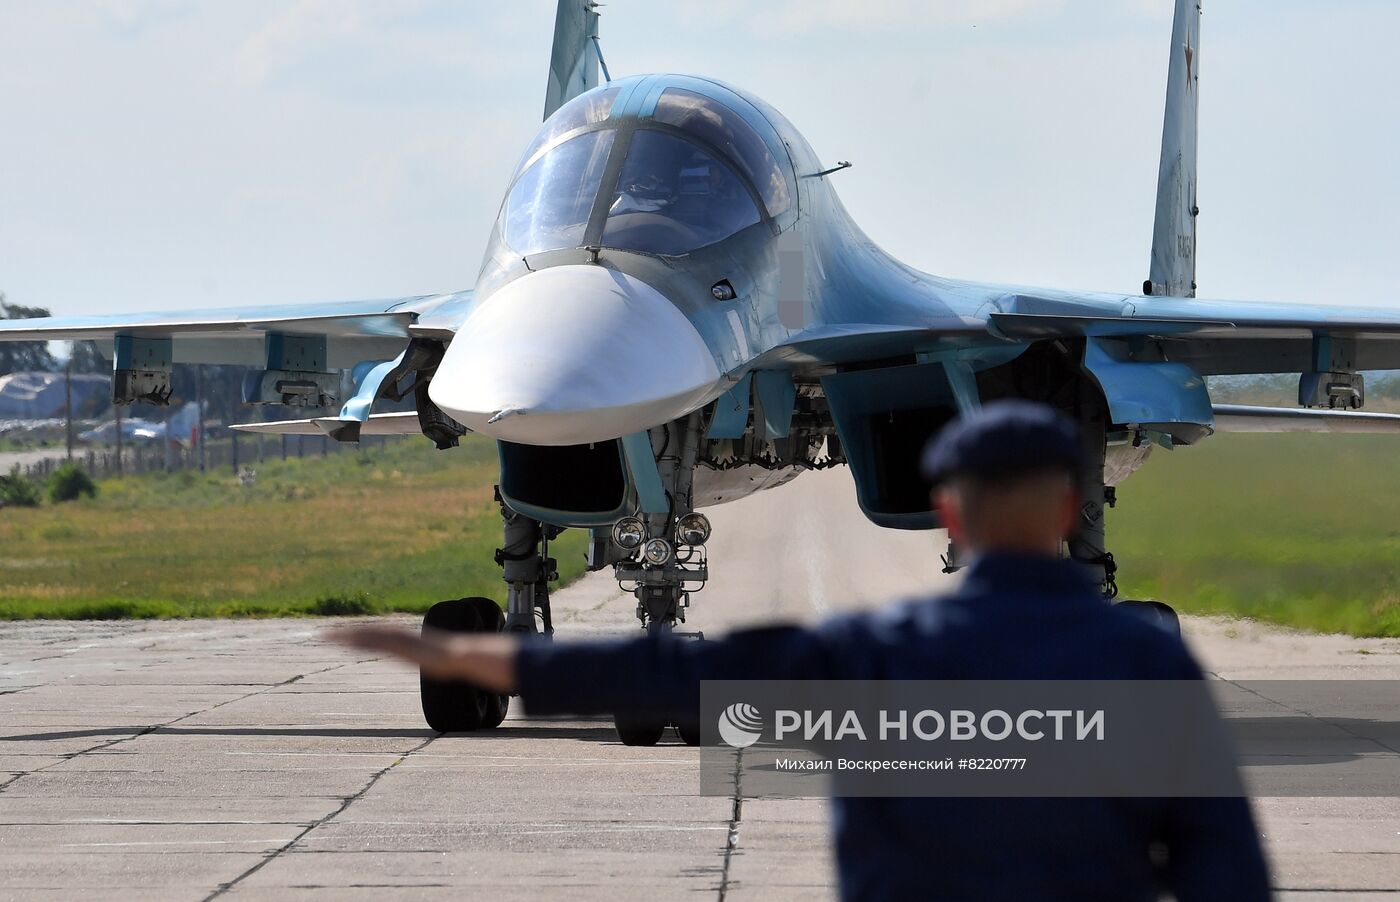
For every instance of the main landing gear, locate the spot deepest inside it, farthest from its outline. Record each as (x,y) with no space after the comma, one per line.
(1088,544)
(1087,547)
(658,556)
(1110,458)
(452,706)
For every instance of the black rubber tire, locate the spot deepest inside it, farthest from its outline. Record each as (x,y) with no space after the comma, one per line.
(493,620)
(638,730)
(635,730)
(1158,613)
(454,706)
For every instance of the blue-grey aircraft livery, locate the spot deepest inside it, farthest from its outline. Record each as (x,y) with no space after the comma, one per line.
(675,310)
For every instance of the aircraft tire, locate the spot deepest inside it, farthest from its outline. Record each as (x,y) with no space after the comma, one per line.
(493,620)
(638,730)
(1156,612)
(455,706)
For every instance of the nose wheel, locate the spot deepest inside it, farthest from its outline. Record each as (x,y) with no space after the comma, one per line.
(643,731)
(633,730)
(658,608)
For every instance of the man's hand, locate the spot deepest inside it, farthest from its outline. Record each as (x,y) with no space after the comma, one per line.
(432,652)
(488,660)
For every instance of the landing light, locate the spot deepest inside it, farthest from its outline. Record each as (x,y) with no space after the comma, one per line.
(657,552)
(693,529)
(629,533)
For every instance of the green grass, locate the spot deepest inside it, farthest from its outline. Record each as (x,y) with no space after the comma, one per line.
(1294,529)
(363,532)
(1302,530)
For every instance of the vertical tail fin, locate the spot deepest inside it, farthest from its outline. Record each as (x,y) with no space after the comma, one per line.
(1173,272)
(573,63)
(182,424)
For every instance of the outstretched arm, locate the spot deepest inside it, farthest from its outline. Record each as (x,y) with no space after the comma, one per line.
(486,660)
(642,675)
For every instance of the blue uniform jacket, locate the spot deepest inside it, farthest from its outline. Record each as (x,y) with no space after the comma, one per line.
(1013,618)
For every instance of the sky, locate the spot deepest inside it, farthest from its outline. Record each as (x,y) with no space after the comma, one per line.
(159,154)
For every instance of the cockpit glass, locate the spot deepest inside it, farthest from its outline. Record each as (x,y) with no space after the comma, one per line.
(549,206)
(723,128)
(589,108)
(673,197)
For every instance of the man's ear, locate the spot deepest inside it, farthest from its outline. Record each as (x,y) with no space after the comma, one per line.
(946,503)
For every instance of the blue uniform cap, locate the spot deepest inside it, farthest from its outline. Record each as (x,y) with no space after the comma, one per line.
(1005,439)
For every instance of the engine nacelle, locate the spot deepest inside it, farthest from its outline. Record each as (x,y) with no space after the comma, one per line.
(884,418)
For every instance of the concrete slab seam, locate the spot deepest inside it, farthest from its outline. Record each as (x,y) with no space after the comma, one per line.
(346,803)
(146,731)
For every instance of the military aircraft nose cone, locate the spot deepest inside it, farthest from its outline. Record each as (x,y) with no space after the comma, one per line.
(574,354)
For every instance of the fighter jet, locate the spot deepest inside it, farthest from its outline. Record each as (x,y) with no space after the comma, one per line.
(178,429)
(675,310)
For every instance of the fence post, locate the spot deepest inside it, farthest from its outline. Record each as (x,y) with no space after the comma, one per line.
(199,400)
(68,406)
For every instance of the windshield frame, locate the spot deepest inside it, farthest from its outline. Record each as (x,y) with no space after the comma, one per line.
(584,114)
(607,191)
(707,118)
(625,126)
(597,146)
(612,174)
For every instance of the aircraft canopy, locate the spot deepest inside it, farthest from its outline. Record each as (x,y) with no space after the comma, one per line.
(686,175)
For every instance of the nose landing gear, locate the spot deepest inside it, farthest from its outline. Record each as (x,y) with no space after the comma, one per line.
(663,559)
(663,594)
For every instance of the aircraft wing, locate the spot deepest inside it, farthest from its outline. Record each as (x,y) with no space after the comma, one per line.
(375,424)
(354,331)
(1213,337)
(1247,418)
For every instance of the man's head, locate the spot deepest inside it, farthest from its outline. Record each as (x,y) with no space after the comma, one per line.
(1006,478)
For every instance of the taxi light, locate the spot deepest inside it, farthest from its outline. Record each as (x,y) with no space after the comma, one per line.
(657,552)
(629,533)
(693,529)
